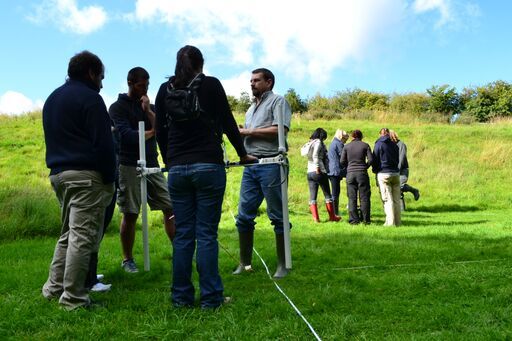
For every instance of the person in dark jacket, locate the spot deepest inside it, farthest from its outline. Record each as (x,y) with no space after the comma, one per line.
(126,113)
(385,165)
(403,166)
(357,157)
(336,171)
(197,178)
(80,155)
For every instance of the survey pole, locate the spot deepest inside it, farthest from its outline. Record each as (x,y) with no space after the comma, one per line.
(143,194)
(284,186)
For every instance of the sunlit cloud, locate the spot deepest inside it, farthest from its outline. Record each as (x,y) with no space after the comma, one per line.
(443,6)
(306,40)
(66,15)
(15,103)
(238,84)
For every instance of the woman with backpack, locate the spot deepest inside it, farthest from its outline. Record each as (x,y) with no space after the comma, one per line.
(318,167)
(197,178)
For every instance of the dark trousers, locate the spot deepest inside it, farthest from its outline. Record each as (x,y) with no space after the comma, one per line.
(358,184)
(91,278)
(315,180)
(335,191)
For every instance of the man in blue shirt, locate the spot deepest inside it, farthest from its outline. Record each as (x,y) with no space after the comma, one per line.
(263,181)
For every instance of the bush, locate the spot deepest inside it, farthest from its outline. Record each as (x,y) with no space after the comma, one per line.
(414,103)
(488,102)
(443,99)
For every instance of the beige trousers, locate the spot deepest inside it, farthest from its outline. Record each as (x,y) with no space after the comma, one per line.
(389,185)
(83,198)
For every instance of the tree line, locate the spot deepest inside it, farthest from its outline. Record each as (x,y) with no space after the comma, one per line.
(478,103)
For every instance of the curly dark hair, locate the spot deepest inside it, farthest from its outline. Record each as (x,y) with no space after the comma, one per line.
(83,62)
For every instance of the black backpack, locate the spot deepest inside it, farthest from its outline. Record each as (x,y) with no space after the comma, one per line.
(182,104)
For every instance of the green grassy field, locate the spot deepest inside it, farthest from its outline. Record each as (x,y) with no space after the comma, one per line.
(445,274)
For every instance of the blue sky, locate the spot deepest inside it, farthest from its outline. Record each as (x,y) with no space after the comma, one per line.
(321,46)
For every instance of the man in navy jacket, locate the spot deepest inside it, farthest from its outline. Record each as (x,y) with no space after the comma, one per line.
(385,165)
(80,155)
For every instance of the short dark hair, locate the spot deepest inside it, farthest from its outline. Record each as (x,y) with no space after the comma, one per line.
(319,133)
(83,62)
(357,134)
(267,74)
(136,74)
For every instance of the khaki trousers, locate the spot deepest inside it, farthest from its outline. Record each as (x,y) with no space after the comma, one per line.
(83,198)
(389,184)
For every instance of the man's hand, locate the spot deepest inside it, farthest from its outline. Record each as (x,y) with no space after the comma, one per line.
(248,159)
(146,104)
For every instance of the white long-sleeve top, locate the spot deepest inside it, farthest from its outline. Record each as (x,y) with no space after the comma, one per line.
(318,157)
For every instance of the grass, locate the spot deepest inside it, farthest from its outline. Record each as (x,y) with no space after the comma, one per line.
(445,274)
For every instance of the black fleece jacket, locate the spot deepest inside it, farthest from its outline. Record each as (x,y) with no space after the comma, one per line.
(77,131)
(196,141)
(126,113)
(356,156)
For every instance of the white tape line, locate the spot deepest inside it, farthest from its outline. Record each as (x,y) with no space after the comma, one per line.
(416,264)
(282,292)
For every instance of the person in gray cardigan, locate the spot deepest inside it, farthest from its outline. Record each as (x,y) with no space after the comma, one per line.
(403,166)
(357,158)
(336,171)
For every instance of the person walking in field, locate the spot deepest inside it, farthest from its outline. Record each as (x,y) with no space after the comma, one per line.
(357,158)
(318,167)
(336,171)
(260,133)
(80,155)
(385,165)
(126,112)
(403,166)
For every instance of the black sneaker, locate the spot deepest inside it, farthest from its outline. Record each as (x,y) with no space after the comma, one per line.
(129,266)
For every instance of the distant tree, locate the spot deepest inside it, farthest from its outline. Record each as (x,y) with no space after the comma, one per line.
(486,102)
(296,103)
(233,102)
(443,99)
(244,102)
(319,103)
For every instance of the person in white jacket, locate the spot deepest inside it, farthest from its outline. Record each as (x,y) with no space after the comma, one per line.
(318,165)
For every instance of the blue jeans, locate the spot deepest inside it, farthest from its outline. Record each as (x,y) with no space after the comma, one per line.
(197,191)
(258,183)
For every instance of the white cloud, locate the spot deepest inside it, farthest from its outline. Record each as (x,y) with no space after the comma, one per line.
(66,15)
(15,103)
(443,6)
(238,84)
(305,39)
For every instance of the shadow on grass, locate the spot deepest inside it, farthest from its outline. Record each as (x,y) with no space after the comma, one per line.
(445,208)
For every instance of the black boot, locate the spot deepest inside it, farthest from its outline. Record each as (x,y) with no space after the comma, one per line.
(414,191)
(246,240)
(281,270)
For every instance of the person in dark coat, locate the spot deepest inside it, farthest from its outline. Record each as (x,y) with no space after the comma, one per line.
(357,158)
(385,165)
(197,178)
